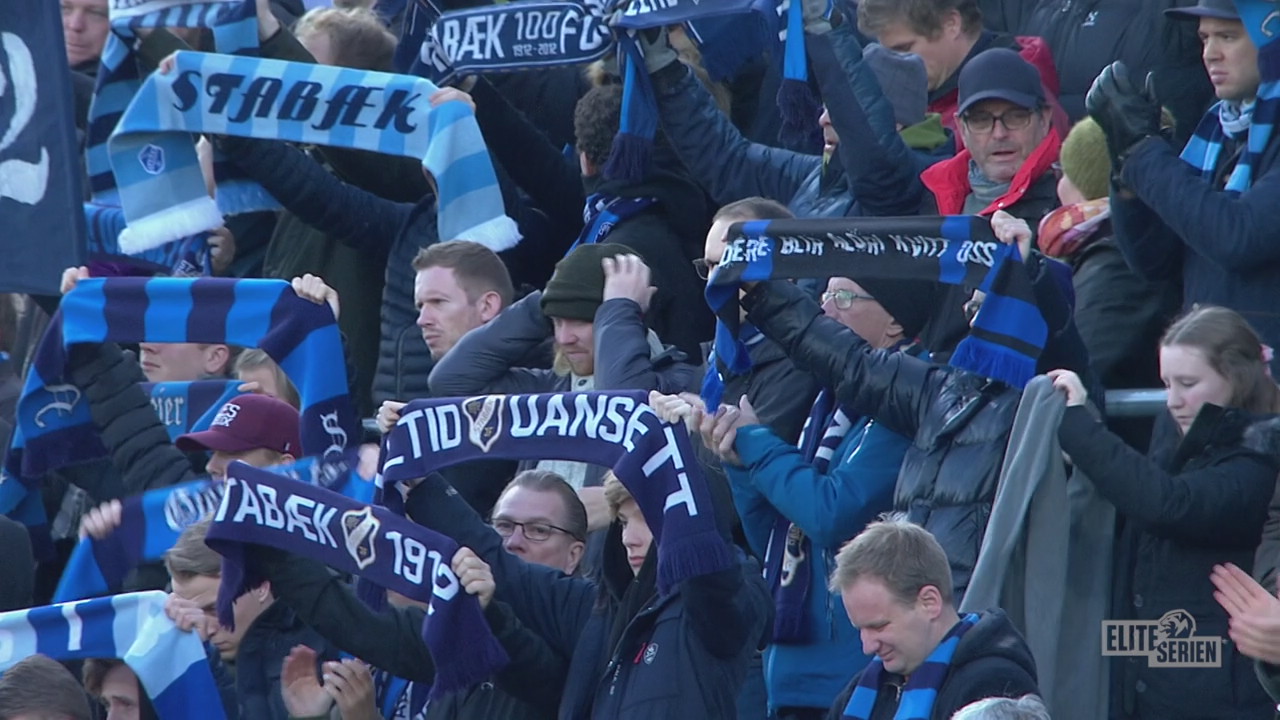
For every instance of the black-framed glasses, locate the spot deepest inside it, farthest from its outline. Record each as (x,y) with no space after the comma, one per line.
(534,531)
(844,298)
(985,122)
(704,267)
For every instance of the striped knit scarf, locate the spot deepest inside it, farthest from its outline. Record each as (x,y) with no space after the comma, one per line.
(235,29)
(789,559)
(171,664)
(1204,150)
(1007,335)
(54,428)
(302,103)
(922,687)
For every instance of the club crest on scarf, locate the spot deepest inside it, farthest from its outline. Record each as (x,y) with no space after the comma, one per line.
(359,530)
(187,504)
(484,414)
(64,400)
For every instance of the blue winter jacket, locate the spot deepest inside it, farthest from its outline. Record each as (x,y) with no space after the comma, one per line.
(873,172)
(776,481)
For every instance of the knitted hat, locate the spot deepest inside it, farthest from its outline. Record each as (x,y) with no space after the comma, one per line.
(1085,160)
(909,301)
(576,288)
(903,79)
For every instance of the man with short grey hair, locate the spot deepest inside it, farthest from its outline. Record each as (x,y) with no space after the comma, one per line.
(1027,707)
(895,582)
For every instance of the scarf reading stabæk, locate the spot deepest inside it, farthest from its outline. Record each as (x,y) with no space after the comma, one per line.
(263,508)
(616,430)
(1007,335)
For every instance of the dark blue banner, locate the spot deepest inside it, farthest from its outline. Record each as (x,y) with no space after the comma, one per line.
(41,222)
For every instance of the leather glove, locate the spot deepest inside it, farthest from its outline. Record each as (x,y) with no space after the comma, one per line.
(1126,114)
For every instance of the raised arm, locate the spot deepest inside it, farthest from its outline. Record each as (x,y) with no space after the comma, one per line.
(487,358)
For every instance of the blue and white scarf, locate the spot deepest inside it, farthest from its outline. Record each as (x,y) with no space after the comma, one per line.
(1007,335)
(171,665)
(185,257)
(921,689)
(54,428)
(1204,150)
(235,29)
(302,103)
(261,508)
(617,430)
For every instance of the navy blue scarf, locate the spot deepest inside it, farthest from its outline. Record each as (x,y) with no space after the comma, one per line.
(616,430)
(1007,335)
(921,690)
(603,213)
(263,508)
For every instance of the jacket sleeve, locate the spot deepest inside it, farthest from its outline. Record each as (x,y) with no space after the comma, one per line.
(1236,233)
(882,170)
(1223,504)
(553,181)
(391,640)
(622,352)
(830,507)
(893,388)
(1269,677)
(553,605)
(139,445)
(727,609)
(755,513)
(1063,347)
(486,358)
(724,162)
(1149,247)
(536,674)
(1114,308)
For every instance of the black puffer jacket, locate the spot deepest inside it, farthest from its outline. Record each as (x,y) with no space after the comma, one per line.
(1191,505)
(260,660)
(959,422)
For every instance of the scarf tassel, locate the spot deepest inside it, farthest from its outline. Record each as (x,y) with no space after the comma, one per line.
(484,655)
(175,221)
(994,361)
(690,555)
(799,108)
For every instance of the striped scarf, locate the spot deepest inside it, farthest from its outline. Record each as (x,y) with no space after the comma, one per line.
(1204,150)
(54,428)
(789,558)
(171,664)
(921,690)
(1007,335)
(151,153)
(235,29)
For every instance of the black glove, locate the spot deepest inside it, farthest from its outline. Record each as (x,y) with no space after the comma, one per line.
(1126,114)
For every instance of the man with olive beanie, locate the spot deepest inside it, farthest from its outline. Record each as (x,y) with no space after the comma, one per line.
(593,307)
(1120,316)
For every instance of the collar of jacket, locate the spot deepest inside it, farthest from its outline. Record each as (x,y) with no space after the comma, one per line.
(1213,426)
(949,179)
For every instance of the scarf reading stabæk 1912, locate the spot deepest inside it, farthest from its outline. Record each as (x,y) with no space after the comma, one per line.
(235,29)
(302,103)
(1006,336)
(171,664)
(54,427)
(616,430)
(260,507)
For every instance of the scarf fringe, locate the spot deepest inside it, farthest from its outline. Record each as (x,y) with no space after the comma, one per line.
(172,223)
(630,158)
(799,109)
(498,233)
(688,556)
(994,361)
(484,657)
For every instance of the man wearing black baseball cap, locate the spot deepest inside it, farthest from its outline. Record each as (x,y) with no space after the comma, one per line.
(1010,147)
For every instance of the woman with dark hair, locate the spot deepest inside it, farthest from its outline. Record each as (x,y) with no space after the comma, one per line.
(1197,500)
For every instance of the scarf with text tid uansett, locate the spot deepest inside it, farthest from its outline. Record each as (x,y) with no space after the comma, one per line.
(1204,149)
(54,428)
(1005,339)
(171,664)
(263,508)
(921,689)
(616,430)
(235,30)
(303,103)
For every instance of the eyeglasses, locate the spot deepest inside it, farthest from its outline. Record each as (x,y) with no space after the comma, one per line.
(534,531)
(704,267)
(844,298)
(984,122)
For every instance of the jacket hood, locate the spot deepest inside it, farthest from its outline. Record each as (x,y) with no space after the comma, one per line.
(994,637)
(1263,437)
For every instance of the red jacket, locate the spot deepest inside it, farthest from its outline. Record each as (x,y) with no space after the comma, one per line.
(949,179)
(1035,51)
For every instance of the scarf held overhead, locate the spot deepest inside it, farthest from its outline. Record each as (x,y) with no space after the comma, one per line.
(260,507)
(302,103)
(171,664)
(616,430)
(54,428)
(1006,336)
